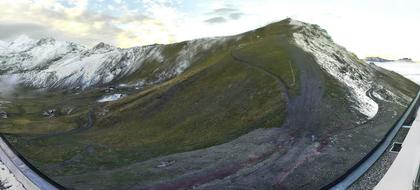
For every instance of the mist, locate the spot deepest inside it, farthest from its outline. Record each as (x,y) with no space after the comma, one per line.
(8,84)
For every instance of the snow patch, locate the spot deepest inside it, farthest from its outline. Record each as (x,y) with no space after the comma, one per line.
(296,22)
(110,98)
(193,47)
(341,65)
(47,63)
(51,63)
(379,96)
(388,96)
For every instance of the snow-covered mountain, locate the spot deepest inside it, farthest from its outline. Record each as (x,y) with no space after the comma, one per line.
(279,101)
(24,54)
(56,64)
(341,64)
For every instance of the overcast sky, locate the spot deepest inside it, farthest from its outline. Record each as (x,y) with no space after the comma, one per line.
(387,28)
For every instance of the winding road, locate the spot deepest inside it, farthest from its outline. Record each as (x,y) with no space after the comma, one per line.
(294,134)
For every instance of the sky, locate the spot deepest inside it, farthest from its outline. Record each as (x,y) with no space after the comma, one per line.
(386,28)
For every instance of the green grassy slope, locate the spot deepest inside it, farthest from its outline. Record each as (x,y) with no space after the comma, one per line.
(216,100)
(235,87)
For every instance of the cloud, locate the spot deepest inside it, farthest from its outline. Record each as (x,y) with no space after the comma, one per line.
(216,20)
(76,21)
(235,16)
(12,30)
(224,14)
(8,84)
(223,11)
(128,23)
(120,23)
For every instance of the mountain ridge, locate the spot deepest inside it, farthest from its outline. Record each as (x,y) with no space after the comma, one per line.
(381,60)
(269,108)
(48,63)
(36,59)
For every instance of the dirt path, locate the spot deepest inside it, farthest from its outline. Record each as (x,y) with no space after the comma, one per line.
(295,138)
(306,152)
(264,158)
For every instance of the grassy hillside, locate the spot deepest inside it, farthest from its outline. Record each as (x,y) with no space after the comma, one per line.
(247,82)
(218,99)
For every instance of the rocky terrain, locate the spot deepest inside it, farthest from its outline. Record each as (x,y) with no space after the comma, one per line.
(279,107)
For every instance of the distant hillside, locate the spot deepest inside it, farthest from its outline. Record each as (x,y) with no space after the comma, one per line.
(48,63)
(376,59)
(409,60)
(381,60)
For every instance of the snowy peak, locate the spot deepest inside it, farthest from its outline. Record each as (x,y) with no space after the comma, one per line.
(73,66)
(293,22)
(25,54)
(103,47)
(340,64)
(21,43)
(46,41)
(49,63)
(55,64)
(356,75)
(22,39)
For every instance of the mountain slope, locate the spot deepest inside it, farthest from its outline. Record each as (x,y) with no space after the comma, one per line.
(49,63)
(270,108)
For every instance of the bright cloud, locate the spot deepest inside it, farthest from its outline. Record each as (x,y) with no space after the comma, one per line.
(379,27)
